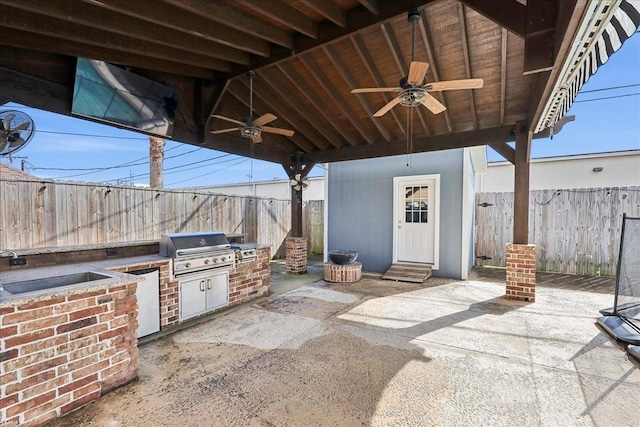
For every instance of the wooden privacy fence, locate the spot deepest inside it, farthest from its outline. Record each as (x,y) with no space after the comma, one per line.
(35,214)
(576,231)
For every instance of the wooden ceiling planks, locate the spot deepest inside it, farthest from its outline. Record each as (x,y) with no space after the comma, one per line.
(310,95)
(309,55)
(226,14)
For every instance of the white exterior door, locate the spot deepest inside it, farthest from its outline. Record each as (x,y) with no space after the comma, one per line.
(416,219)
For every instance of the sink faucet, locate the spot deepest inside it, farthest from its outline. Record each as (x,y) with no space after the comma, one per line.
(14,255)
(6,251)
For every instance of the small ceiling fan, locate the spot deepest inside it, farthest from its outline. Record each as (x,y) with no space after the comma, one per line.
(16,130)
(251,127)
(414,89)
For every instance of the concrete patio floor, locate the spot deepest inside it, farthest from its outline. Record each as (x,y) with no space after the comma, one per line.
(447,353)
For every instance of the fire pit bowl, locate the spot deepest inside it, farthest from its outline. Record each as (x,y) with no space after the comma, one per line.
(343,257)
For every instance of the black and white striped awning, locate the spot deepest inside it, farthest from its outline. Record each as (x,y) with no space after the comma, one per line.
(607,26)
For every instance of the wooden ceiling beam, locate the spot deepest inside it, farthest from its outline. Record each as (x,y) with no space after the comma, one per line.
(358,18)
(505,150)
(240,146)
(467,62)
(276,105)
(170,16)
(97,17)
(433,65)
(327,133)
(335,95)
(59,29)
(312,97)
(329,10)
(226,14)
(472,138)
(374,72)
(371,5)
(509,14)
(569,17)
(284,14)
(216,99)
(288,144)
(34,92)
(22,39)
(396,52)
(539,48)
(337,62)
(503,74)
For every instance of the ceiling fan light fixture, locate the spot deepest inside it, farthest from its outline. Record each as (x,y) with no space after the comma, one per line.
(412,97)
(250,132)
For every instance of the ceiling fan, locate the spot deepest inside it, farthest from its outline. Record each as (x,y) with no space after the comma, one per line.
(251,127)
(414,88)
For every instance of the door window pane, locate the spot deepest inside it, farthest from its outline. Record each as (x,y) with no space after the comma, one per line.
(416,202)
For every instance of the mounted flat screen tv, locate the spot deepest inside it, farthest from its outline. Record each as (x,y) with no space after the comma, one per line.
(106,93)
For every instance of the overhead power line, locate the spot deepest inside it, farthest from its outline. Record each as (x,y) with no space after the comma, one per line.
(609,88)
(608,97)
(212,172)
(199,163)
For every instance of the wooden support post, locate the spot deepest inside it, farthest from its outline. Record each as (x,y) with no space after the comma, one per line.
(156,157)
(296,168)
(521,190)
(296,213)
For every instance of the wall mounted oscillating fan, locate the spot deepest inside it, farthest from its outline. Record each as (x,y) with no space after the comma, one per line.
(299,182)
(16,130)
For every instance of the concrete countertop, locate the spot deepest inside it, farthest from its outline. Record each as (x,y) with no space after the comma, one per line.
(59,249)
(102,267)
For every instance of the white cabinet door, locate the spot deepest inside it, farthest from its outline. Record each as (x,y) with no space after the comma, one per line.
(192,297)
(217,290)
(148,295)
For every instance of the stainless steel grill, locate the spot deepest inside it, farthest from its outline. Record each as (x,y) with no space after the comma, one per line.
(197,252)
(246,251)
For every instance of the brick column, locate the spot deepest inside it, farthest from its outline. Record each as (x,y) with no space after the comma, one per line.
(296,255)
(521,272)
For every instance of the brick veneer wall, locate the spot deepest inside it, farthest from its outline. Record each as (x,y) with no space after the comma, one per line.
(252,279)
(521,272)
(169,292)
(296,261)
(60,353)
(247,281)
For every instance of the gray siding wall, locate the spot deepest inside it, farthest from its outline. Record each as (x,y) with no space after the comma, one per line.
(360,207)
(472,213)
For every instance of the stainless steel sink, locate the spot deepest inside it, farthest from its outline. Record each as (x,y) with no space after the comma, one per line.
(52,282)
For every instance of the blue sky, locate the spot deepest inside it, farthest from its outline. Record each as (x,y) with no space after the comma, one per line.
(64,143)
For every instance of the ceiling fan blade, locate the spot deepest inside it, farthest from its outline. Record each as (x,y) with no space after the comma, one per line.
(381,112)
(455,84)
(3,143)
(6,122)
(264,119)
(376,89)
(433,104)
(417,73)
(16,142)
(225,130)
(22,126)
(238,122)
(278,131)
(256,139)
